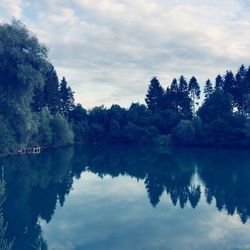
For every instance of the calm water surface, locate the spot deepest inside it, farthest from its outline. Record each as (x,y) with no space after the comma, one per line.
(114,197)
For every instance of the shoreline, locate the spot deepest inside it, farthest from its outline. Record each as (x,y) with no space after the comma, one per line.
(153,145)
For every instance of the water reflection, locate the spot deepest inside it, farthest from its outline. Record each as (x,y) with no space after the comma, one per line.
(36,185)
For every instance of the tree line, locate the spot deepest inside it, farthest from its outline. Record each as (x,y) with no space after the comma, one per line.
(173,115)
(38,109)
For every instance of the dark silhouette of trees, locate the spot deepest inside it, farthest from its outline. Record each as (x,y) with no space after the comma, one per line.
(48,96)
(51,92)
(194,195)
(194,91)
(154,189)
(78,118)
(183,85)
(66,98)
(171,97)
(185,102)
(219,82)
(177,97)
(154,97)
(229,83)
(240,89)
(215,107)
(208,89)
(184,133)
(37,110)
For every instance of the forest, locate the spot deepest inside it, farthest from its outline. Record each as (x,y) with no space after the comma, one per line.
(38,109)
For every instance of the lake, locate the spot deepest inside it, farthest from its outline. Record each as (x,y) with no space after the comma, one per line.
(118,197)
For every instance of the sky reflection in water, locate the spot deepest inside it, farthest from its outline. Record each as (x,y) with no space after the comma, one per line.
(114,197)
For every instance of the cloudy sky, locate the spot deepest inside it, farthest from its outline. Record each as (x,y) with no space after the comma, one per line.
(108,50)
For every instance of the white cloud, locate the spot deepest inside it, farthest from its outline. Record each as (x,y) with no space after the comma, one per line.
(109,49)
(11,8)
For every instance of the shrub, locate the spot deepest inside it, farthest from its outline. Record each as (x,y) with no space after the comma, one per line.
(183,133)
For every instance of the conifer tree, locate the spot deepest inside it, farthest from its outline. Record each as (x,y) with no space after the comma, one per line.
(51,91)
(184,101)
(240,90)
(194,91)
(154,97)
(171,96)
(174,85)
(248,80)
(66,98)
(219,82)
(229,83)
(48,96)
(208,89)
(183,86)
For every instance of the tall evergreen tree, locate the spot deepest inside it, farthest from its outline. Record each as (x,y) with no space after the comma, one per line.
(171,97)
(48,96)
(66,98)
(247,96)
(208,89)
(194,91)
(51,91)
(174,85)
(184,101)
(248,80)
(219,82)
(183,86)
(240,90)
(154,97)
(229,83)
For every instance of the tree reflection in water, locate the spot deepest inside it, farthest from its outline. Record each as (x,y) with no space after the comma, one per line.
(36,184)
(5,244)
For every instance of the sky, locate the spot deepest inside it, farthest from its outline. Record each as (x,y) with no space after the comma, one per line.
(109,50)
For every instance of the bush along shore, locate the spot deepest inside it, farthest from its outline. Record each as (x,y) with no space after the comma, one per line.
(37,110)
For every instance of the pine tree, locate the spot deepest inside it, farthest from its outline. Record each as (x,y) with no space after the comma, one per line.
(219,82)
(229,82)
(171,96)
(154,97)
(184,101)
(194,91)
(240,90)
(51,92)
(183,86)
(174,85)
(48,96)
(66,98)
(248,80)
(208,89)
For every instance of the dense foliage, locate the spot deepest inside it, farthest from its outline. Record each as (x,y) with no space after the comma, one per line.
(36,109)
(33,105)
(171,115)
